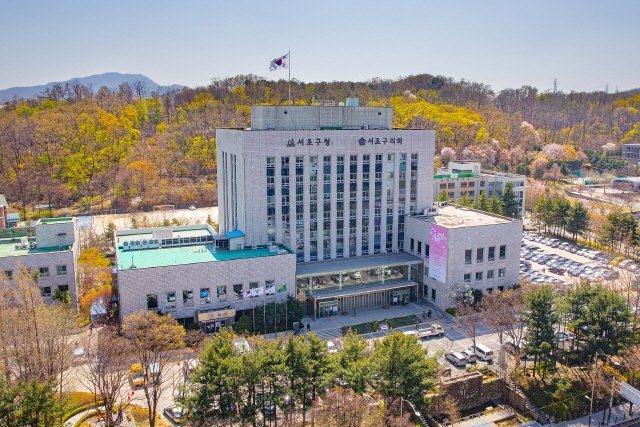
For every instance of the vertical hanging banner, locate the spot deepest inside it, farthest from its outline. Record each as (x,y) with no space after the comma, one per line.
(438,253)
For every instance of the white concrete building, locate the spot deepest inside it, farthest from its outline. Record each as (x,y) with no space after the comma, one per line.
(50,249)
(195,274)
(466,176)
(460,244)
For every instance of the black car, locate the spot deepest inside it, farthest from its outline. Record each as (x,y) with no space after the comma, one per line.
(556,270)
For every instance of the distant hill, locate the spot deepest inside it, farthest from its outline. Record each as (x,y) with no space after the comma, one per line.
(110,80)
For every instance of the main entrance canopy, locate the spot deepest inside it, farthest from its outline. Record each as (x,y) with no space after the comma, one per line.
(330,288)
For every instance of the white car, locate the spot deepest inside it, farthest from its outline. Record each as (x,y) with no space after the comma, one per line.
(331,347)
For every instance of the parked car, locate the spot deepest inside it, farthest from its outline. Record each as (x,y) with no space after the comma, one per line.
(174,413)
(444,366)
(331,347)
(267,407)
(556,270)
(471,357)
(192,208)
(482,352)
(526,263)
(456,358)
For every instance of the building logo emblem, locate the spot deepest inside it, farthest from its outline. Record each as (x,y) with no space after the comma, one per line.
(362,141)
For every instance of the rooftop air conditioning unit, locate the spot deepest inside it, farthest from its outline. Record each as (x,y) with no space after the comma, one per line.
(269,244)
(384,252)
(254,247)
(240,246)
(32,245)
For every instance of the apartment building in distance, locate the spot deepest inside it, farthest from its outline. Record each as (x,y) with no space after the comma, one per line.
(466,177)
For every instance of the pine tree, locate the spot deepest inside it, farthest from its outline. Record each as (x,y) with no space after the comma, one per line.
(541,319)
(443,196)
(577,219)
(464,200)
(510,206)
(495,205)
(483,201)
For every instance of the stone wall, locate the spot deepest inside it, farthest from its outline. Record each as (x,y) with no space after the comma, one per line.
(470,390)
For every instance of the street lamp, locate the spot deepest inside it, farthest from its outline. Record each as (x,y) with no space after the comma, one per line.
(593,387)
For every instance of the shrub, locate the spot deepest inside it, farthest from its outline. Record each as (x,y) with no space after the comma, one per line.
(450,311)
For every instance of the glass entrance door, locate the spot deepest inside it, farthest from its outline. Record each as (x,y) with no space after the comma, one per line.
(327,308)
(401,297)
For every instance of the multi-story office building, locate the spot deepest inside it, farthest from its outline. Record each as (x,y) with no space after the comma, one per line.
(631,153)
(50,249)
(329,182)
(466,177)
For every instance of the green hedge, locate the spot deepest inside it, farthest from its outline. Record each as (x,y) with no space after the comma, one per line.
(80,409)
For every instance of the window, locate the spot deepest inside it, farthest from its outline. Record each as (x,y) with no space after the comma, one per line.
(170,298)
(503,251)
(419,247)
(426,271)
(433,294)
(426,250)
(489,290)
(237,292)
(467,277)
(62,270)
(187,298)
(44,271)
(45,291)
(426,291)
(500,288)
(205,298)
(492,253)
(467,256)
(152,301)
(221,293)
(8,274)
(479,276)
(490,274)
(269,287)
(480,255)
(501,272)
(411,246)
(254,285)
(64,289)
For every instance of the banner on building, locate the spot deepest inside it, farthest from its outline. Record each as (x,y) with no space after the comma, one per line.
(438,253)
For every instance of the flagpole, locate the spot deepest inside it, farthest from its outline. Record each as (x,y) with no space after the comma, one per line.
(289,76)
(264,308)
(286,320)
(275,309)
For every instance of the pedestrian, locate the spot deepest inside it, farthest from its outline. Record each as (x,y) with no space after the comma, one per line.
(90,328)
(308,326)
(418,325)
(424,315)
(429,314)
(354,311)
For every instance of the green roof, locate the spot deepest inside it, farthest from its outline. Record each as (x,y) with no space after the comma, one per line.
(149,258)
(460,175)
(54,220)
(8,248)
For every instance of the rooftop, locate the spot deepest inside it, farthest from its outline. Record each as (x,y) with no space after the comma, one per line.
(458,217)
(54,220)
(354,263)
(8,248)
(162,257)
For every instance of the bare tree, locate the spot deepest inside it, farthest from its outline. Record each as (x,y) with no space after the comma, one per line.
(468,318)
(156,338)
(107,368)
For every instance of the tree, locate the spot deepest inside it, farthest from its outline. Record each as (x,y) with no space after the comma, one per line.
(353,363)
(36,404)
(541,319)
(523,169)
(443,196)
(107,368)
(403,365)
(495,205)
(468,318)
(243,325)
(577,219)
(482,201)
(538,173)
(155,337)
(509,202)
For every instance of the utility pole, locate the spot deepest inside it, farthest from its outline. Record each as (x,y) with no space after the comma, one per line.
(555,85)
(606,89)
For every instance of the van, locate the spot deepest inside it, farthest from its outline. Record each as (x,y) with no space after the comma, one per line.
(482,352)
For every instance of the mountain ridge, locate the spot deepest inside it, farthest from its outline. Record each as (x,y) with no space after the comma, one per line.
(110,79)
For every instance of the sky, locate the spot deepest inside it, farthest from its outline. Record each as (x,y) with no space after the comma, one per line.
(585,44)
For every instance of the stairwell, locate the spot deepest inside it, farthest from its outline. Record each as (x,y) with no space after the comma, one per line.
(543,419)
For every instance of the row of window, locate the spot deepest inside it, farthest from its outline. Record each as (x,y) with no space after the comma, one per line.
(467,276)
(419,247)
(45,291)
(468,254)
(206,297)
(61,270)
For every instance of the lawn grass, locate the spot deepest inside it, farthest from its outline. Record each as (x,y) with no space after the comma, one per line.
(367,327)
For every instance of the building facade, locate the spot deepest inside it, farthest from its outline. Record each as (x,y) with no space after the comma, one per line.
(196,275)
(466,177)
(463,245)
(329,182)
(631,153)
(50,249)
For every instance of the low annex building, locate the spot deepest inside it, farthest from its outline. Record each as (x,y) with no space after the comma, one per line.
(50,249)
(197,275)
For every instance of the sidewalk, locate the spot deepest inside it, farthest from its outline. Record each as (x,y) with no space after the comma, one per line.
(619,414)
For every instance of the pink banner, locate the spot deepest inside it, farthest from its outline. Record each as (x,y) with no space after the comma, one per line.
(438,253)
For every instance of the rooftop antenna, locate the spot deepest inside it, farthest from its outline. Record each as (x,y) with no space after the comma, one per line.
(352,86)
(555,85)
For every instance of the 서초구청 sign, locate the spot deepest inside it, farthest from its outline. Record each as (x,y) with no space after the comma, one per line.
(292,142)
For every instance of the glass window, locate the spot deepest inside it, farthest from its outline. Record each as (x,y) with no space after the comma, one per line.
(44,271)
(480,255)
(205,298)
(479,276)
(467,277)
(492,253)
(419,247)
(501,272)
(45,291)
(467,256)
(187,298)
(152,301)
(426,271)
(237,292)
(170,298)
(503,251)
(221,293)
(62,270)
(252,287)
(8,274)
(64,289)
(433,294)
(490,274)
(411,247)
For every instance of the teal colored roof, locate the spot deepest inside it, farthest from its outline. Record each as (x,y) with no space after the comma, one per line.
(149,258)
(235,233)
(460,175)
(8,248)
